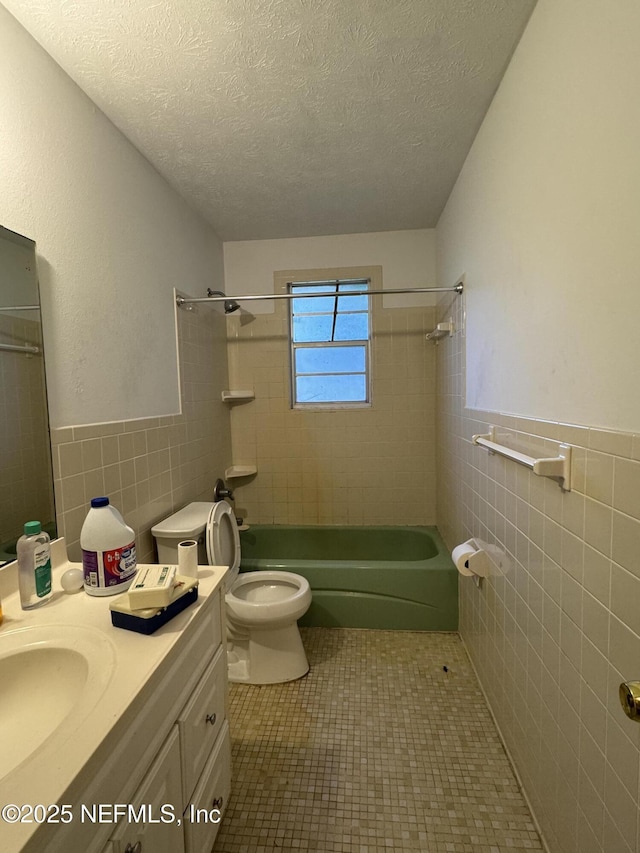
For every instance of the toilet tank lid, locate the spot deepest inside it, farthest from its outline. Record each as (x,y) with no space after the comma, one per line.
(187,523)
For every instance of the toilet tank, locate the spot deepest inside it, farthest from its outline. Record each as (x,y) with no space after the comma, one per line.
(188,523)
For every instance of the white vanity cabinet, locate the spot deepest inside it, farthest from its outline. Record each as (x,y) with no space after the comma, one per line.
(192,771)
(161,785)
(171,748)
(210,797)
(201,721)
(206,756)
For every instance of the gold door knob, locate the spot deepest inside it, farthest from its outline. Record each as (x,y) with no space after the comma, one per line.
(630,699)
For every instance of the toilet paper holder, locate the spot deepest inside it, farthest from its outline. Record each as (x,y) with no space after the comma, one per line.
(477,559)
(478,563)
(471,559)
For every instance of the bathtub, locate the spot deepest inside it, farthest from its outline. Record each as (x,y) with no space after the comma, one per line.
(363,577)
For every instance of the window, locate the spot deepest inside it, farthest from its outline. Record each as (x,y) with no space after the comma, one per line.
(330,343)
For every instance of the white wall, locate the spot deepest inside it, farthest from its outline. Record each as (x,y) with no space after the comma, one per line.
(407,259)
(113,239)
(545,221)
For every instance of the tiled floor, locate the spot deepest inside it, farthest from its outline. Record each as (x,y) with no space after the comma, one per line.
(379,748)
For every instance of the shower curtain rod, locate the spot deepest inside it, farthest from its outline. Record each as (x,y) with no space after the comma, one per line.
(182,300)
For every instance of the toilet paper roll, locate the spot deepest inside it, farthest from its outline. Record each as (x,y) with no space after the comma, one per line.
(188,558)
(461,554)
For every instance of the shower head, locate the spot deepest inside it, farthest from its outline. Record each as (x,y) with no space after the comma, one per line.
(230,305)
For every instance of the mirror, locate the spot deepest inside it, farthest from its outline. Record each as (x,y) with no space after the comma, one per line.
(26,476)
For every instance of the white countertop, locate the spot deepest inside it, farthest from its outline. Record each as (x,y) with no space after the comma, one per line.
(43,777)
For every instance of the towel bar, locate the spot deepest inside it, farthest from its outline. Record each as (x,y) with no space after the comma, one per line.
(556,466)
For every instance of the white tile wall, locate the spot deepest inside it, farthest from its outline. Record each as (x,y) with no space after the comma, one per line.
(552,640)
(372,465)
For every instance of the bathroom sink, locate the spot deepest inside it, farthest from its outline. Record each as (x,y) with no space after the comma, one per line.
(51,678)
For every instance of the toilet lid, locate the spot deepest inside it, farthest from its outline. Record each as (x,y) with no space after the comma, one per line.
(223,539)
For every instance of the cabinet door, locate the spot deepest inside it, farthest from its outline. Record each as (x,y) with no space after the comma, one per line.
(201,721)
(205,811)
(157,799)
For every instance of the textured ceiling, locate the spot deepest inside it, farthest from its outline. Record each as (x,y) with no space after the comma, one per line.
(284,118)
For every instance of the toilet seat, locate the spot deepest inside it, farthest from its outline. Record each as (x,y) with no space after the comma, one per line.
(223,540)
(286,595)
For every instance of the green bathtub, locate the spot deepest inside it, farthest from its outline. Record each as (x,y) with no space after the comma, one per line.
(362,577)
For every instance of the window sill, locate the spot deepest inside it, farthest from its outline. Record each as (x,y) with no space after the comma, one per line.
(329,406)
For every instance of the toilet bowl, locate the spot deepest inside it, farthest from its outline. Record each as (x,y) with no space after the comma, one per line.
(263,641)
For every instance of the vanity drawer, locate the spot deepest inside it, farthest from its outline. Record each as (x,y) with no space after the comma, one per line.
(212,792)
(201,721)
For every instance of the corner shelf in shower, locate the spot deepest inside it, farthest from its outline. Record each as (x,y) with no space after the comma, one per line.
(243,396)
(237,471)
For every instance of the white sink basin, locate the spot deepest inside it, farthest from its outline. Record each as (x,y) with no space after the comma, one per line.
(51,678)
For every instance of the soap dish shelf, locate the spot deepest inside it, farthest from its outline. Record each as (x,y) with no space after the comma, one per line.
(240,396)
(238,471)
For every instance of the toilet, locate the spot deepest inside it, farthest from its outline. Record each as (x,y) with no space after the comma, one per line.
(263,641)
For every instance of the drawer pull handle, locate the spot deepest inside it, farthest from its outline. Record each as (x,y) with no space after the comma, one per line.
(135,848)
(211,718)
(217,803)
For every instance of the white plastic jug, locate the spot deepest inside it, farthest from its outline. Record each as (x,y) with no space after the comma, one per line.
(108,550)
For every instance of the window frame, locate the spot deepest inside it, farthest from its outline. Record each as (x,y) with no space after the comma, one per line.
(361,343)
